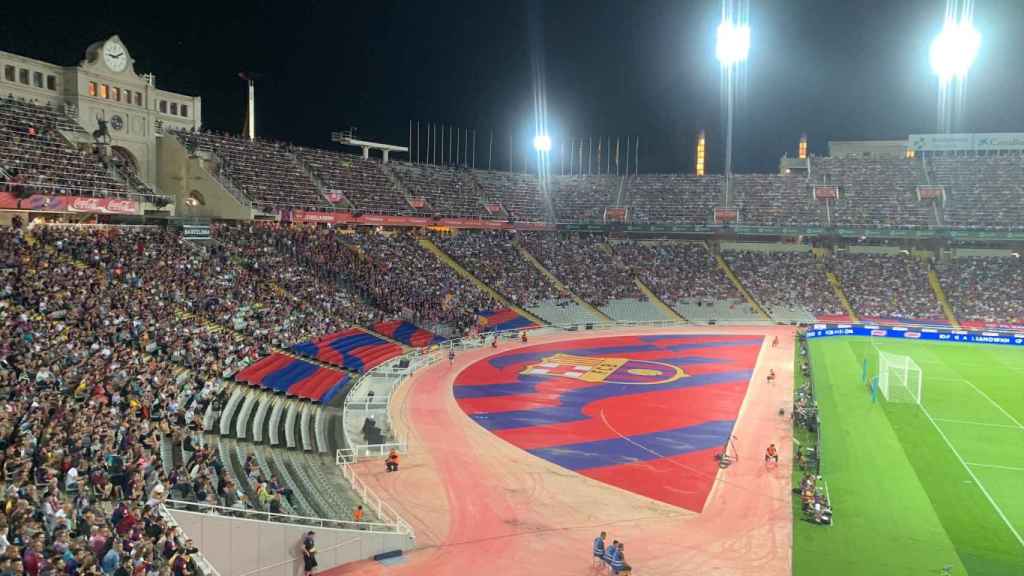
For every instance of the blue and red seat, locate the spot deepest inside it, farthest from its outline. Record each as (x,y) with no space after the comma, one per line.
(295,377)
(351,349)
(504,319)
(407,333)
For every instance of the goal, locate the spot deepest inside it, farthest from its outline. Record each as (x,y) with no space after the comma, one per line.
(899,378)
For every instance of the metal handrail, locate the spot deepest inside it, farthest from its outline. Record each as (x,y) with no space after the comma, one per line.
(295,519)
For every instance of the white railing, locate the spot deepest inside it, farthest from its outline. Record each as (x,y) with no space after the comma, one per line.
(382,509)
(295,519)
(205,567)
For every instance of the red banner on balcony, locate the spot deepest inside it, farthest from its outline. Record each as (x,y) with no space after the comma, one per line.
(929,192)
(418,202)
(826,192)
(493,207)
(726,215)
(615,214)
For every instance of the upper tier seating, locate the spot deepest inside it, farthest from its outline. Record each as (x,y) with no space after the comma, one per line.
(265,171)
(448,190)
(362,181)
(874,191)
(773,200)
(981,191)
(583,198)
(674,198)
(37,155)
(518,193)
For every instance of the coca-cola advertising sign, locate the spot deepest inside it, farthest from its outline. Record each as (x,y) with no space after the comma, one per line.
(47,203)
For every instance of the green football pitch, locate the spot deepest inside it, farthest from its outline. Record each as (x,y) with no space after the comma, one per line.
(919,488)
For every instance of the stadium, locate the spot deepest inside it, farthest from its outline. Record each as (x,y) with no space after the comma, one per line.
(230,353)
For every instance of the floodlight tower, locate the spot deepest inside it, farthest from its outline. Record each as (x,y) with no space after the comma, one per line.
(952,53)
(732,44)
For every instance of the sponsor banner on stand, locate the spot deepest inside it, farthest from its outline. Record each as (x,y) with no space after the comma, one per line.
(47,203)
(826,330)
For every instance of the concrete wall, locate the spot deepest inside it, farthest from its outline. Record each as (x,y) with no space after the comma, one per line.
(765,247)
(236,546)
(180,174)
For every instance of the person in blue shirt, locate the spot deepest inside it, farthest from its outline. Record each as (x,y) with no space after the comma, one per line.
(609,552)
(619,564)
(112,559)
(599,546)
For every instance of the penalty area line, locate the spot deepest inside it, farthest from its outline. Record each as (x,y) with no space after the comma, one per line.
(997,466)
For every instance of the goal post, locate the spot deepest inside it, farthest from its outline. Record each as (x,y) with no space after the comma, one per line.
(899,378)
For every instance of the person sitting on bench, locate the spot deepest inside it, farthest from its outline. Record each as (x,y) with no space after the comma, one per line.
(391,463)
(610,551)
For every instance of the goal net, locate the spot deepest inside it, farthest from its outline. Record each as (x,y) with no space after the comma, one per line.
(899,378)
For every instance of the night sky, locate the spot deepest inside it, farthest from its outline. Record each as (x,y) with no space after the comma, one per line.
(835,70)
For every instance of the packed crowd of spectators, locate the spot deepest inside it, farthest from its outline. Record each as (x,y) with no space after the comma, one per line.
(583,198)
(352,181)
(874,191)
(981,191)
(984,288)
(447,190)
(494,258)
(886,285)
(99,382)
(784,279)
(585,265)
(677,271)
(404,279)
(776,200)
(674,198)
(39,159)
(516,192)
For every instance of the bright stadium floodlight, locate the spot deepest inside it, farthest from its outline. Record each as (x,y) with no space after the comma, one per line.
(954,49)
(733,43)
(542,143)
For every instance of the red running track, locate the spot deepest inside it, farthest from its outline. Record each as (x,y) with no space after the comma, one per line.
(480,505)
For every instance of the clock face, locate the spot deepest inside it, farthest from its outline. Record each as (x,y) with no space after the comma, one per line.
(114,56)
(116,122)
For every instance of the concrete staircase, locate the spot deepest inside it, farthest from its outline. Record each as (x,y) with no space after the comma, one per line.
(841,295)
(443,256)
(724,267)
(665,308)
(558,283)
(940,295)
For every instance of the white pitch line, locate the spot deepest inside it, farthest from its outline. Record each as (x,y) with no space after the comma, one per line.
(998,466)
(981,486)
(973,423)
(994,403)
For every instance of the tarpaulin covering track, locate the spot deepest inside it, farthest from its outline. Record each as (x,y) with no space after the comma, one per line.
(352,349)
(295,377)
(407,333)
(643,413)
(504,319)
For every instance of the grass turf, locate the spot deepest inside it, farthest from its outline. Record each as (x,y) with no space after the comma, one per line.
(903,501)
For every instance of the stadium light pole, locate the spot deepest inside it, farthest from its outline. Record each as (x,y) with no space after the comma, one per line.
(951,55)
(732,45)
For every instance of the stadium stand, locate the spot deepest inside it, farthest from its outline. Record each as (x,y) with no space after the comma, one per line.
(360,182)
(448,190)
(874,191)
(886,286)
(352,349)
(984,289)
(674,198)
(791,285)
(407,333)
(583,198)
(583,263)
(38,157)
(265,171)
(772,200)
(981,191)
(294,377)
(517,194)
